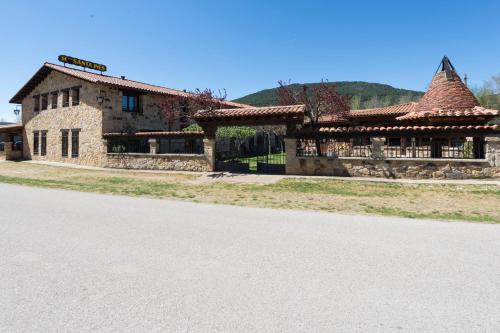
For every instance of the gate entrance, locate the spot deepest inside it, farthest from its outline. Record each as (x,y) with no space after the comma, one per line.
(253,155)
(262,153)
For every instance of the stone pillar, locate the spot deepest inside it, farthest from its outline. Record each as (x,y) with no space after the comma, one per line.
(209,151)
(153,146)
(291,156)
(8,149)
(493,150)
(377,147)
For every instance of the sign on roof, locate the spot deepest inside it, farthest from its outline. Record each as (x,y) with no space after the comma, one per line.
(83,63)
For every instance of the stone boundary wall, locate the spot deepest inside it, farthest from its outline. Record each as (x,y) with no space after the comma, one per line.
(393,168)
(172,162)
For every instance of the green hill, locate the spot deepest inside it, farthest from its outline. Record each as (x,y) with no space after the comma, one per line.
(364,95)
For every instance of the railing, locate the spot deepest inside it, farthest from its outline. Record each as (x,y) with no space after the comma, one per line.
(128,145)
(165,145)
(180,146)
(402,147)
(358,147)
(451,148)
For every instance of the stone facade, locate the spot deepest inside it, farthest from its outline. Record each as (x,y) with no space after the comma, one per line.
(99,111)
(86,117)
(151,117)
(173,162)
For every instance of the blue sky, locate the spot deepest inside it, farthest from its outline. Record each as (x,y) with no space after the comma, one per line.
(246,46)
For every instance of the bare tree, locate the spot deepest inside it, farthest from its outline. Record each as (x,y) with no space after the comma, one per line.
(182,108)
(320,100)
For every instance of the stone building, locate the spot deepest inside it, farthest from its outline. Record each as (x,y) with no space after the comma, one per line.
(73,116)
(67,112)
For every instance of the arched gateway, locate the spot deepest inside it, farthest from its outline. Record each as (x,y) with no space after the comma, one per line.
(257,154)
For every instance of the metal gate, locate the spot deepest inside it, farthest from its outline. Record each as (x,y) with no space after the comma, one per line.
(253,155)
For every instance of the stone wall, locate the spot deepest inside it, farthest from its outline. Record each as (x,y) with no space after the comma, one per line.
(151,117)
(174,162)
(393,168)
(87,116)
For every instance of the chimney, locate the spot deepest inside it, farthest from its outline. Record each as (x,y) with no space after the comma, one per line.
(465,79)
(123,77)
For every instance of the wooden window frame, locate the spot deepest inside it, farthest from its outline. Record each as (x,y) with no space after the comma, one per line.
(53,98)
(75,148)
(44,101)
(36,143)
(64,142)
(75,91)
(36,103)
(43,143)
(129,95)
(65,98)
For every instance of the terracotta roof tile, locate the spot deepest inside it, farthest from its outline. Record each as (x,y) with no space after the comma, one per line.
(399,109)
(366,129)
(437,112)
(177,134)
(250,112)
(447,94)
(108,80)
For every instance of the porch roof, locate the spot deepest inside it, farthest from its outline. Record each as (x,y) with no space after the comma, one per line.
(284,112)
(11,128)
(178,134)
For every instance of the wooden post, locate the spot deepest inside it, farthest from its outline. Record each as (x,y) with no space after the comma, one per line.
(414,147)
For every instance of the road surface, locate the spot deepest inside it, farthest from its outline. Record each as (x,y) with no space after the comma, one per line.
(79,262)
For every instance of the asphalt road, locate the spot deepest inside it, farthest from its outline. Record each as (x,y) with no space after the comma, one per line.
(79,262)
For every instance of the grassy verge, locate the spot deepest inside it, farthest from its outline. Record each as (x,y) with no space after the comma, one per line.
(477,203)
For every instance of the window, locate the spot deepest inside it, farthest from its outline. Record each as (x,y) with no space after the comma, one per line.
(75,96)
(130,102)
(36,101)
(64,143)
(35,142)
(75,142)
(54,100)
(43,148)
(45,101)
(65,102)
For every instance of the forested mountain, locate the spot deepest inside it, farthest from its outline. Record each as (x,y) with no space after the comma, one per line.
(364,95)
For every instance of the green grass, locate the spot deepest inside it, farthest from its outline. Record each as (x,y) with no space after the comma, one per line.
(435,215)
(476,203)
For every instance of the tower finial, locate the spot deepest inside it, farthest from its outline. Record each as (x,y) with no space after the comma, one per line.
(447,67)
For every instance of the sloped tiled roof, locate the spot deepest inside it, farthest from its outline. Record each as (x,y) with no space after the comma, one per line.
(447,93)
(366,129)
(476,111)
(102,79)
(176,134)
(393,110)
(250,112)
(11,127)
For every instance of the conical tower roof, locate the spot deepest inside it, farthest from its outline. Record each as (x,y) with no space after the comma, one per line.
(447,91)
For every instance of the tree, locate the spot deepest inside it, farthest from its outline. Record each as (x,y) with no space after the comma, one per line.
(320,99)
(236,133)
(488,94)
(182,107)
(356,102)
